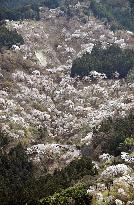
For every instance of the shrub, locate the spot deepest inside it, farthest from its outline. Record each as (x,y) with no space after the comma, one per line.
(130,76)
(71,196)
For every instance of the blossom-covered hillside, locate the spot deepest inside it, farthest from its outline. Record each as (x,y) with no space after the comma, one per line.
(56,117)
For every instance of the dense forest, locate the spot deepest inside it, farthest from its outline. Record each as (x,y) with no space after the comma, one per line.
(16,10)
(25,12)
(117,134)
(9,38)
(17,3)
(107,61)
(119,14)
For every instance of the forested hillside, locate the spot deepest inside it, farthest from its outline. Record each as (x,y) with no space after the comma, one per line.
(118,13)
(66,102)
(22,9)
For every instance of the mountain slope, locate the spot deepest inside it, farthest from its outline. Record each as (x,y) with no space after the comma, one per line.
(62,121)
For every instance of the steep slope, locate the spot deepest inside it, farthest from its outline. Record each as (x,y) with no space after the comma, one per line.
(45,105)
(56,117)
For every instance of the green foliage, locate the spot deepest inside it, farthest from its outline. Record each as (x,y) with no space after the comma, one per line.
(119,14)
(115,136)
(3,140)
(130,76)
(15,171)
(19,9)
(100,11)
(106,61)
(17,3)
(79,168)
(29,9)
(24,9)
(9,38)
(19,186)
(49,184)
(71,196)
(51,3)
(129,141)
(26,12)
